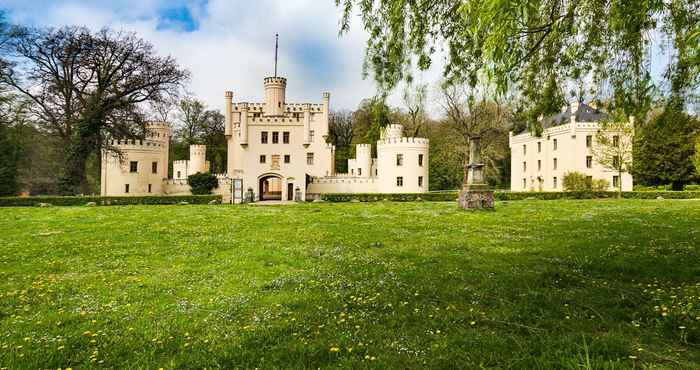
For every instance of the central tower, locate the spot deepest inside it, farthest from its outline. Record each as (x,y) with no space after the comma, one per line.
(275,88)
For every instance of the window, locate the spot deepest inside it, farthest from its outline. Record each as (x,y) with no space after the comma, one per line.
(616,181)
(524,166)
(616,141)
(524,149)
(262,158)
(126,188)
(420,160)
(279,104)
(309,158)
(399,181)
(616,161)
(133,166)
(154,167)
(376,172)
(554,183)
(589,161)
(285,137)
(263,137)
(359,172)
(554,142)
(287,158)
(352,171)
(539,165)
(524,183)
(311,136)
(275,161)
(275,137)
(178,174)
(589,141)
(539,147)
(149,188)
(420,181)
(555,164)
(399,159)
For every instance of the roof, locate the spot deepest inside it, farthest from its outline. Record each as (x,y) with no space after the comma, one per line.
(584,113)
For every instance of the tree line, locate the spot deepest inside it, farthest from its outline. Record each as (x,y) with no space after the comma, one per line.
(65,92)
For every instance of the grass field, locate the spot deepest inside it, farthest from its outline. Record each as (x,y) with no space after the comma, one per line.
(536,284)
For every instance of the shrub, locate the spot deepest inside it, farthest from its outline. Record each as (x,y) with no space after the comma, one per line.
(509,196)
(600,185)
(202,183)
(576,181)
(105,201)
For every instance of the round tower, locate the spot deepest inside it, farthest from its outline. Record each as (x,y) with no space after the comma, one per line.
(392,132)
(363,159)
(402,162)
(160,132)
(275,90)
(198,154)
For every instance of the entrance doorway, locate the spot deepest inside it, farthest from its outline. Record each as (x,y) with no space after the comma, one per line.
(290,191)
(270,188)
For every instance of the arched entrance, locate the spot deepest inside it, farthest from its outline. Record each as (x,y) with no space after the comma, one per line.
(270,187)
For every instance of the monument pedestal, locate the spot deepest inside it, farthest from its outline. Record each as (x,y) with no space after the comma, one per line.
(476,193)
(476,197)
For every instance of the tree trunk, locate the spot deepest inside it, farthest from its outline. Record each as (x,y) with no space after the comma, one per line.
(85,141)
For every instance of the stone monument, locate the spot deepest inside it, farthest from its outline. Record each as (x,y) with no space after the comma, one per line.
(476,193)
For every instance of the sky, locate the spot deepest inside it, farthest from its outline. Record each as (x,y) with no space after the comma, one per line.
(230,45)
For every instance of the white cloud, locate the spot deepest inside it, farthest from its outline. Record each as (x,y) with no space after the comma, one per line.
(233,47)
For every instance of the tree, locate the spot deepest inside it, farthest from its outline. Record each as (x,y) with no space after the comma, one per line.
(471,118)
(202,183)
(613,147)
(88,86)
(414,98)
(664,149)
(533,46)
(340,134)
(446,157)
(191,120)
(212,135)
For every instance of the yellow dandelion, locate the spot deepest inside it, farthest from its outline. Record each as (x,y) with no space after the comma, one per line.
(335,349)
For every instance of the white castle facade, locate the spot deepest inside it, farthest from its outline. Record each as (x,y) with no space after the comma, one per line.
(538,163)
(276,149)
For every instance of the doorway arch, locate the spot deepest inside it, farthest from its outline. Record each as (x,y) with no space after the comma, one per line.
(270,187)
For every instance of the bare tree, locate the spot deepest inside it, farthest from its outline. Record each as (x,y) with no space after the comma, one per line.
(191,118)
(614,146)
(414,99)
(89,86)
(472,118)
(340,128)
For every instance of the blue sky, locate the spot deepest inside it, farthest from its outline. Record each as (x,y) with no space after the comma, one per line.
(228,44)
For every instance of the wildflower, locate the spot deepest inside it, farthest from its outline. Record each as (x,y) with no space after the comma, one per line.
(335,349)
(472,323)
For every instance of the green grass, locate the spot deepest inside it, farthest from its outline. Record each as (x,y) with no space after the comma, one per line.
(561,284)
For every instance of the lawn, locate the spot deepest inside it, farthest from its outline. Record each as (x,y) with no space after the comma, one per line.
(535,284)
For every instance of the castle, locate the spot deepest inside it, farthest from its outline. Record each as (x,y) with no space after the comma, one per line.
(276,150)
(538,163)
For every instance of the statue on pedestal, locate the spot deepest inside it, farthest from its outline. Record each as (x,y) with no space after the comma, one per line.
(476,193)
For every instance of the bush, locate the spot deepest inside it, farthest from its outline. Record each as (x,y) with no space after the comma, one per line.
(509,196)
(105,201)
(576,181)
(600,185)
(202,183)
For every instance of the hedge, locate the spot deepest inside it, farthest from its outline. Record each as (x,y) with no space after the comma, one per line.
(507,196)
(105,201)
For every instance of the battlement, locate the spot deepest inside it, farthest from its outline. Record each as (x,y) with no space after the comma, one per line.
(275,81)
(137,144)
(403,140)
(326,95)
(228,94)
(181,161)
(157,124)
(364,146)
